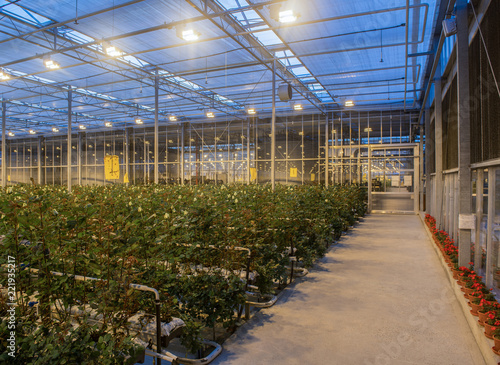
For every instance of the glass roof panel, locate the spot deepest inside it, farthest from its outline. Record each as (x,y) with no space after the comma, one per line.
(335,49)
(268,38)
(33,18)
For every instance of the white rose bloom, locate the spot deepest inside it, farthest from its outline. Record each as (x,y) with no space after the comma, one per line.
(166,215)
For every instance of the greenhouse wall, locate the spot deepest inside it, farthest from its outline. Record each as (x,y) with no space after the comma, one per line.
(484,109)
(217,152)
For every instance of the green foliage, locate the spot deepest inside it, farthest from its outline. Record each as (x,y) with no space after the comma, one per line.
(182,240)
(41,345)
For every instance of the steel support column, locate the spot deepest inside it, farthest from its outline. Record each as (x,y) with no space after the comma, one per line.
(370,187)
(156,137)
(490,240)
(273,130)
(4,143)
(39,160)
(79,157)
(68,157)
(327,150)
(421,170)
(181,162)
(438,127)
(479,216)
(248,152)
(464,172)
(126,152)
(428,187)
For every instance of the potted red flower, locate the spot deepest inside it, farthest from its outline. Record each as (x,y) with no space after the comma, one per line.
(492,323)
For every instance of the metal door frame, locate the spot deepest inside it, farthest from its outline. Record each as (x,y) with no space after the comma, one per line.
(415,195)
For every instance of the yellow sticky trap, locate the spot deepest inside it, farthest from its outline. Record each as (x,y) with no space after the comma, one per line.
(112,167)
(125,178)
(8,177)
(253,173)
(293,172)
(313,177)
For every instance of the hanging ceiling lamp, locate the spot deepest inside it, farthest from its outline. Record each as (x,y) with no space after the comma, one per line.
(3,75)
(111,50)
(283,14)
(187,33)
(50,63)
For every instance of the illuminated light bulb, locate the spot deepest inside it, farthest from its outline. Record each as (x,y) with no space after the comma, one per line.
(51,64)
(287,16)
(190,35)
(112,51)
(4,76)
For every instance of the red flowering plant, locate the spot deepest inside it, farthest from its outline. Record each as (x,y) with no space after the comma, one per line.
(451,250)
(441,236)
(496,329)
(430,221)
(465,273)
(484,298)
(493,319)
(475,281)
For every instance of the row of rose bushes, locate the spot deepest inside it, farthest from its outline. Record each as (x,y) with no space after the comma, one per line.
(177,239)
(481,299)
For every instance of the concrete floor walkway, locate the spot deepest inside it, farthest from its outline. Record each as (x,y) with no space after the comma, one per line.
(378,297)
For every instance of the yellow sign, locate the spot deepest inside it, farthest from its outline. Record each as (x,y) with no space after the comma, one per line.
(253,173)
(125,178)
(293,172)
(313,177)
(112,167)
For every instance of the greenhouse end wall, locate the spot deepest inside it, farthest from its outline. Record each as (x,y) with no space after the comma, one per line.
(217,152)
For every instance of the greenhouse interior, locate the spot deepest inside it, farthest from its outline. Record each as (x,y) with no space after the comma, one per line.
(231,181)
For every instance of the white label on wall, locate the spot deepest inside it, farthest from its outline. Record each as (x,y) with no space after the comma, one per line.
(395,181)
(466,221)
(408,180)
